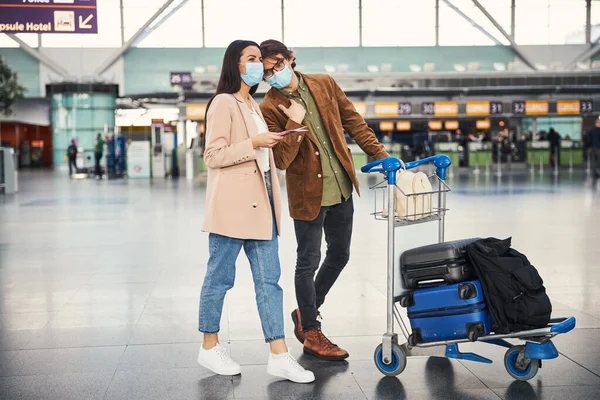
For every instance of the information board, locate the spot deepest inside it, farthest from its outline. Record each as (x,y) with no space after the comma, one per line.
(195,111)
(403,125)
(386,126)
(48,16)
(440,108)
(574,107)
(360,107)
(530,107)
(386,109)
(183,79)
(484,108)
(138,160)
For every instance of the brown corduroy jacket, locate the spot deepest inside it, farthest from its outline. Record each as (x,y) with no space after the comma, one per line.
(298,153)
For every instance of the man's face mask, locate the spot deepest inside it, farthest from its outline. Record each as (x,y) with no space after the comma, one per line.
(281,79)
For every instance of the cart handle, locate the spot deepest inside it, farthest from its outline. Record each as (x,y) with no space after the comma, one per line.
(393,164)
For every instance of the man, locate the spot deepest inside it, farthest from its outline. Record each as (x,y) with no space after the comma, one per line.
(320,176)
(99,149)
(594,138)
(554,139)
(72,156)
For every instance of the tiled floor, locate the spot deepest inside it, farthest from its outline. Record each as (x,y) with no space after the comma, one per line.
(99,288)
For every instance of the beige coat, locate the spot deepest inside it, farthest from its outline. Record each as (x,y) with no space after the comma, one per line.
(237,203)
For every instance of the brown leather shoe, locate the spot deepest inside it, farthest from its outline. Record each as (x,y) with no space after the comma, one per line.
(316,344)
(298,330)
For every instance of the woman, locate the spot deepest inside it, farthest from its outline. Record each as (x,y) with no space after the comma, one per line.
(243,209)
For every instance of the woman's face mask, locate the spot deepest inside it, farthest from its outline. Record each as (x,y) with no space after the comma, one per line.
(254,73)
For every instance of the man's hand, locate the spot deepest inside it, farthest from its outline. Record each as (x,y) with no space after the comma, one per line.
(295,112)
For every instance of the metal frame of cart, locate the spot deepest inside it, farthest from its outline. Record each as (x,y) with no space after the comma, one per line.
(521,361)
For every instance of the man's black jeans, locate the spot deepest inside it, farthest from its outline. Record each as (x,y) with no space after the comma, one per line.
(72,165)
(97,167)
(336,222)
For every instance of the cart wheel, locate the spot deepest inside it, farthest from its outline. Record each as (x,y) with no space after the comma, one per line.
(413,339)
(398,360)
(404,301)
(474,333)
(521,369)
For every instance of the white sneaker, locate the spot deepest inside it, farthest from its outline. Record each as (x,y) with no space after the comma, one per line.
(285,366)
(218,361)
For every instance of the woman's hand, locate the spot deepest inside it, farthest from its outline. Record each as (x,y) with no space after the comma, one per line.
(267,139)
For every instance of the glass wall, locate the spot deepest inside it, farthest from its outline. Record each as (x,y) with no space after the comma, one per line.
(80,116)
(566,126)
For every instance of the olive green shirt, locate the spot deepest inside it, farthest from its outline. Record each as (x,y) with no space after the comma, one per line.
(337,186)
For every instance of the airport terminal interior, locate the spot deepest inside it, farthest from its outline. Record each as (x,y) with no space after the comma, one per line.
(103,196)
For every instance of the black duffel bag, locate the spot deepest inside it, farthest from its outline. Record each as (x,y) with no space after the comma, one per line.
(514,289)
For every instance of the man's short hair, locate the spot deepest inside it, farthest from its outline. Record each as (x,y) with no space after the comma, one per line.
(270,48)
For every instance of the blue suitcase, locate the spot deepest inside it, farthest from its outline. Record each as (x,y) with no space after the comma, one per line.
(449,312)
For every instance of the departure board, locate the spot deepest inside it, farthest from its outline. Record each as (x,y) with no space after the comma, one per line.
(484,108)
(530,107)
(440,108)
(446,108)
(536,107)
(386,109)
(360,107)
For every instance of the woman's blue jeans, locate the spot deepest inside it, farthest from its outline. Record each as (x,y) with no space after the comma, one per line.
(220,276)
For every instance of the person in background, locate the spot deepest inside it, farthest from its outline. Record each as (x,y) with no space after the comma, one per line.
(243,210)
(554,139)
(98,151)
(594,140)
(72,155)
(320,175)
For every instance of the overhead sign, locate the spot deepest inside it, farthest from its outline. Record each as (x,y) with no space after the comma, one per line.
(386,109)
(475,108)
(483,108)
(530,107)
(183,79)
(451,125)
(440,108)
(48,16)
(482,124)
(404,108)
(386,126)
(195,111)
(586,106)
(435,125)
(536,107)
(567,107)
(403,125)
(360,107)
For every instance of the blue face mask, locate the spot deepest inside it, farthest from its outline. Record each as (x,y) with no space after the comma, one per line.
(281,79)
(254,73)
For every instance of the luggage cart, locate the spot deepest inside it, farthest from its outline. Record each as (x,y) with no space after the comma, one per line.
(521,361)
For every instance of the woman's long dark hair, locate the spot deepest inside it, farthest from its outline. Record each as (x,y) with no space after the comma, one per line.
(230,80)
